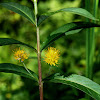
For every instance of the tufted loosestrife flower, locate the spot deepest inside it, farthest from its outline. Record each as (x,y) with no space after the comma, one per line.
(51,56)
(20,55)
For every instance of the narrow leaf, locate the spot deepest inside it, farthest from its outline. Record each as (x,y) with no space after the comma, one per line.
(79,11)
(9,41)
(20,9)
(80,82)
(19,70)
(67,29)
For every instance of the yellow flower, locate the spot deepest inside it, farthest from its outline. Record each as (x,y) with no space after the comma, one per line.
(20,55)
(51,56)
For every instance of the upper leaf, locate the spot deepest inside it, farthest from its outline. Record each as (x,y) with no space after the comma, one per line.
(9,41)
(79,11)
(19,70)
(20,9)
(67,29)
(82,83)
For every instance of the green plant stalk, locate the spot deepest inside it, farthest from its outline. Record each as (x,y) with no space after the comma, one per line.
(90,42)
(38,52)
(89,60)
(27,69)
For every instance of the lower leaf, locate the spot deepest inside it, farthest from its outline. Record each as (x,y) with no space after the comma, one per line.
(80,82)
(19,70)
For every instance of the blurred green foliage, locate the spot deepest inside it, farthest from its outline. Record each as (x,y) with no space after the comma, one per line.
(72,52)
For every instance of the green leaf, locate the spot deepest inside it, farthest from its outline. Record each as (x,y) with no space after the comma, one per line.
(80,82)
(9,41)
(19,70)
(20,9)
(79,11)
(67,29)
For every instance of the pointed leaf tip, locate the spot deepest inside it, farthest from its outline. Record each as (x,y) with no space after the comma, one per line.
(78,11)
(20,9)
(67,29)
(80,82)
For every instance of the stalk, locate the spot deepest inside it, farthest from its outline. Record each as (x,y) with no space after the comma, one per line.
(27,69)
(90,41)
(38,52)
(89,46)
(89,55)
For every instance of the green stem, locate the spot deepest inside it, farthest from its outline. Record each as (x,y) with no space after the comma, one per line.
(27,69)
(90,41)
(96,3)
(88,48)
(38,52)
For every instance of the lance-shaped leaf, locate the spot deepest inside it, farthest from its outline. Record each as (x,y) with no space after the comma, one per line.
(78,11)
(20,9)
(80,82)
(67,29)
(19,70)
(9,41)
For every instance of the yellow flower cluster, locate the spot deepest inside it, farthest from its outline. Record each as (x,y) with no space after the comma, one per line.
(20,55)
(51,56)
